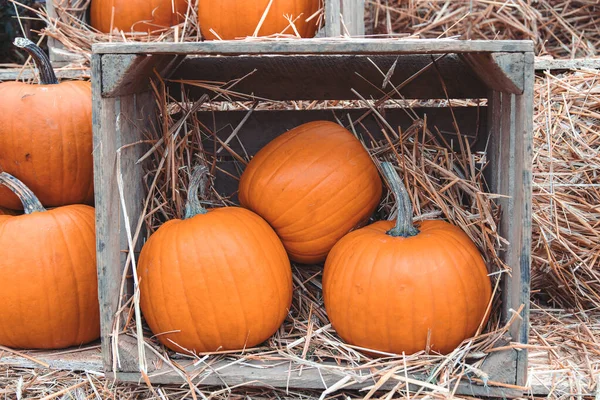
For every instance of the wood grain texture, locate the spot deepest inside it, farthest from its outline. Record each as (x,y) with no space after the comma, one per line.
(499,71)
(314,77)
(524,165)
(24,74)
(578,63)
(319,46)
(85,359)
(333,25)
(353,13)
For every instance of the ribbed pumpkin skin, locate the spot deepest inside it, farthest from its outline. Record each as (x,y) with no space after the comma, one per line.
(48,280)
(221,279)
(238,19)
(46,142)
(313,185)
(129,14)
(384,293)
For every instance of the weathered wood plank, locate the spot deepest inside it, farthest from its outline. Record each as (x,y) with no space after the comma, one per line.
(502,72)
(578,63)
(353,12)
(524,167)
(282,374)
(315,77)
(333,26)
(125,74)
(25,74)
(85,359)
(108,257)
(318,46)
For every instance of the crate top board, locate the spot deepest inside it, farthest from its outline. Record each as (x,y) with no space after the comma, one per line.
(500,65)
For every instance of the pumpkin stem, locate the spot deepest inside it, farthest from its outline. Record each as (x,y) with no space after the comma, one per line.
(404,226)
(41,60)
(197,183)
(31,203)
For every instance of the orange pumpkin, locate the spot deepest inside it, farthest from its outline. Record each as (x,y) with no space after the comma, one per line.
(46,136)
(313,184)
(217,280)
(48,280)
(389,288)
(137,15)
(239,19)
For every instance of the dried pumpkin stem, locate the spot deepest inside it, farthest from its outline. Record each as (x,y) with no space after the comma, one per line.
(404,226)
(41,60)
(31,203)
(197,184)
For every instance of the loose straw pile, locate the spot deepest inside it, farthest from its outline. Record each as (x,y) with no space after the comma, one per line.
(566,198)
(559,28)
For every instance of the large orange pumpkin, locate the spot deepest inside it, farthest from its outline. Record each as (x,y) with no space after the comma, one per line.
(313,184)
(238,19)
(46,136)
(48,280)
(137,15)
(389,288)
(217,280)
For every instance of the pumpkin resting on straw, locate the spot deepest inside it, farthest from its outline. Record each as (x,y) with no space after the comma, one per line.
(46,136)
(217,280)
(399,289)
(238,19)
(137,15)
(48,280)
(313,184)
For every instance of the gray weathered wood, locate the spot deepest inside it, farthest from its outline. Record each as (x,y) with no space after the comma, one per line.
(578,63)
(284,374)
(318,46)
(26,74)
(524,167)
(129,74)
(86,359)
(344,18)
(333,25)
(317,77)
(500,71)
(353,13)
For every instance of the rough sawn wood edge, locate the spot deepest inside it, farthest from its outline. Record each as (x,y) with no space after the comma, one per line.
(319,46)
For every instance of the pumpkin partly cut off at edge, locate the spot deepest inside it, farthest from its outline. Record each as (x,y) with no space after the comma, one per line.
(137,15)
(312,184)
(46,136)
(394,287)
(48,280)
(219,279)
(239,19)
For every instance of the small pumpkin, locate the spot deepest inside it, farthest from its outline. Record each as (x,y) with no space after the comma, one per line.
(48,280)
(313,184)
(239,19)
(137,15)
(217,280)
(390,288)
(46,136)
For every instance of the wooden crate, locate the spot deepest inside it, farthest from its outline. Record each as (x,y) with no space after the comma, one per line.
(343,17)
(322,69)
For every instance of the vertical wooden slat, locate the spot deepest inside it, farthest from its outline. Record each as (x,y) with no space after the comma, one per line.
(353,12)
(107,208)
(521,282)
(333,26)
(53,44)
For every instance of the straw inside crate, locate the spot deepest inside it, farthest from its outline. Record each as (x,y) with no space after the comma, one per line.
(445,180)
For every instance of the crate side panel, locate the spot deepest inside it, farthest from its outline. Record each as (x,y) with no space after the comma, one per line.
(263,126)
(332,77)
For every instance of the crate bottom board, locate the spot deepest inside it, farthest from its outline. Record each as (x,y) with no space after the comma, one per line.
(275,375)
(88,358)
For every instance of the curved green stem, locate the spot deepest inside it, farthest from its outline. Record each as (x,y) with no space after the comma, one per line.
(404,226)
(31,203)
(197,183)
(41,60)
